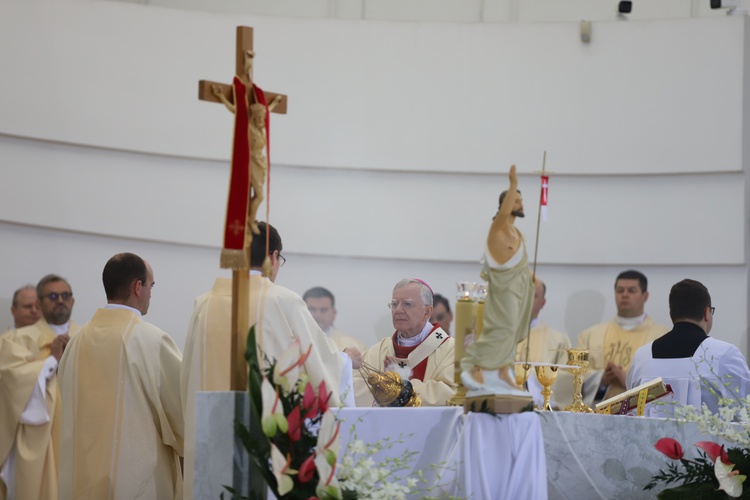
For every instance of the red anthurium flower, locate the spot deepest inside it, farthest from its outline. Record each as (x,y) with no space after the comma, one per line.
(295,429)
(714,450)
(313,411)
(307,469)
(323,397)
(670,447)
(308,399)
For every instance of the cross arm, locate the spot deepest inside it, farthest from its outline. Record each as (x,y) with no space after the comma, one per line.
(205,93)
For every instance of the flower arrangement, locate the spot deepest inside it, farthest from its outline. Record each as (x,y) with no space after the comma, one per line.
(294,439)
(717,472)
(711,475)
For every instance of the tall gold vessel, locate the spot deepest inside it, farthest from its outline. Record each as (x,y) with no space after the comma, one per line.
(466,323)
(580,359)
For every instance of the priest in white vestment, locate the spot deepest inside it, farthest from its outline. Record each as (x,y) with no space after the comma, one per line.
(122,426)
(418,350)
(613,344)
(280,316)
(30,398)
(710,368)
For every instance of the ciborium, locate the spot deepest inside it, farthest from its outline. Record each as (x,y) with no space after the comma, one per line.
(580,359)
(546,373)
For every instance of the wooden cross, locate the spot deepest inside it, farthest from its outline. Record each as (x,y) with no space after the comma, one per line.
(222,93)
(243,70)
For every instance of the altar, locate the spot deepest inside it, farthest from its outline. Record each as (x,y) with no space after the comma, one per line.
(534,455)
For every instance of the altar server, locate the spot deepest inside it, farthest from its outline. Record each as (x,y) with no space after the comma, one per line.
(122,427)
(712,368)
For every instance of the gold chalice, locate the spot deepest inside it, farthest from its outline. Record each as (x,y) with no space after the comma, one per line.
(546,373)
(580,359)
(521,370)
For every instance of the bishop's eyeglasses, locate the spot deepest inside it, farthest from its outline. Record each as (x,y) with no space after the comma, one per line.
(406,304)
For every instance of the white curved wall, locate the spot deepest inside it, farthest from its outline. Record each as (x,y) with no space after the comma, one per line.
(389,163)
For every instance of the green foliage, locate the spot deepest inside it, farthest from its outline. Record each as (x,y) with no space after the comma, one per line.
(700,470)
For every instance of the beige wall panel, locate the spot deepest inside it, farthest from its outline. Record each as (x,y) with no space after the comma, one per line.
(378,214)
(643,97)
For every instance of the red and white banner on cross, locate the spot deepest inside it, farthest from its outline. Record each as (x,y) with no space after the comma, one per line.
(543,201)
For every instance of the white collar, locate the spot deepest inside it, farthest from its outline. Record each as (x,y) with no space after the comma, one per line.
(630,323)
(123,306)
(417,339)
(60,329)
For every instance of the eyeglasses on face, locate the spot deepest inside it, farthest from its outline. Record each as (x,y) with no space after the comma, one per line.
(282,259)
(406,304)
(712,309)
(54,296)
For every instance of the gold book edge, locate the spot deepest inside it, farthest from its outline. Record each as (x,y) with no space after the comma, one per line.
(656,389)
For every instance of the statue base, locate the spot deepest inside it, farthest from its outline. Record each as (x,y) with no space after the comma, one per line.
(497,403)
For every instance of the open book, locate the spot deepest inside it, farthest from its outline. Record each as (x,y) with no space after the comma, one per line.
(634,401)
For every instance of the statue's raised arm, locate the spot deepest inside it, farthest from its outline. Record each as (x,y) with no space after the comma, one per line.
(503,239)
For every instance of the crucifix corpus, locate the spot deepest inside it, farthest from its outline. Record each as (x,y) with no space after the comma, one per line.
(250,106)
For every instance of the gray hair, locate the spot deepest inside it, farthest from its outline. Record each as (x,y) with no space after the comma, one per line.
(15,294)
(50,278)
(424,291)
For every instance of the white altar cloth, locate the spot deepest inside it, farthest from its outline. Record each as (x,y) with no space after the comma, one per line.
(555,455)
(480,456)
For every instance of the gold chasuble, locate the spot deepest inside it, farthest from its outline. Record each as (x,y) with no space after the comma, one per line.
(122,427)
(280,316)
(609,342)
(23,353)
